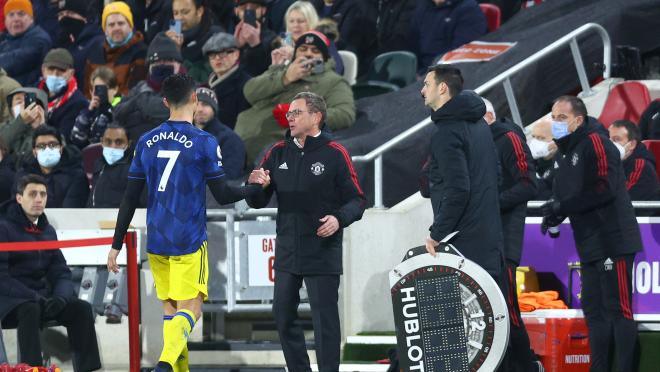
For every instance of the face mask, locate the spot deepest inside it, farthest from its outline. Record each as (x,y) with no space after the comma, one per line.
(121,43)
(16,110)
(621,148)
(55,84)
(70,27)
(538,148)
(559,129)
(48,158)
(161,72)
(112,155)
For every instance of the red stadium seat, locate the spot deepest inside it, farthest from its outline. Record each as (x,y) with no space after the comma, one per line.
(493,16)
(627,100)
(654,147)
(90,154)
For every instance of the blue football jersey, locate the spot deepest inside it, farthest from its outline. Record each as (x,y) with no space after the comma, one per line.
(176,159)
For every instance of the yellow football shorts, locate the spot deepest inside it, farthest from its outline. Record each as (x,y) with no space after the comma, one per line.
(181,278)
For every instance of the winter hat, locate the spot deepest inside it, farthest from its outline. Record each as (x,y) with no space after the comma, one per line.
(162,48)
(207,96)
(317,39)
(15,5)
(60,58)
(117,7)
(259,2)
(219,42)
(76,6)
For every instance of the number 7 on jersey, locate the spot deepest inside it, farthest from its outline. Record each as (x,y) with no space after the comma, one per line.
(171,159)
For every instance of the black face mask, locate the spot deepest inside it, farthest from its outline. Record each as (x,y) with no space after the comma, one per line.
(70,27)
(161,72)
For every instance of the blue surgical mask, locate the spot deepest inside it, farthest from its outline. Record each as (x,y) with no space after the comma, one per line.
(48,158)
(112,155)
(121,43)
(55,84)
(559,129)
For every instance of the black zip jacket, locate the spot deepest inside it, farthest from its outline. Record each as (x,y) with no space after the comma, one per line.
(310,183)
(518,184)
(463,178)
(641,177)
(590,186)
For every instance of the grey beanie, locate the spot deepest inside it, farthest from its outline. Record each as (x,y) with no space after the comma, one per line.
(162,48)
(207,96)
(219,42)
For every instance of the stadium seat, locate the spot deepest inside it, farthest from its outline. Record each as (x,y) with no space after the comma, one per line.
(627,100)
(90,154)
(654,147)
(350,61)
(399,68)
(493,15)
(372,88)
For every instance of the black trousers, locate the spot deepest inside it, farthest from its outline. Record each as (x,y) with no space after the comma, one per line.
(78,319)
(607,306)
(519,357)
(323,297)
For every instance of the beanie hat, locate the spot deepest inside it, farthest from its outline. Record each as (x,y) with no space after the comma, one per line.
(16,5)
(60,58)
(162,48)
(207,96)
(317,39)
(117,7)
(76,6)
(258,2)
(219,42)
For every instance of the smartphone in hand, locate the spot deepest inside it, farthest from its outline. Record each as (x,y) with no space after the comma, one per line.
(175,25)
(101,91)
(250,17)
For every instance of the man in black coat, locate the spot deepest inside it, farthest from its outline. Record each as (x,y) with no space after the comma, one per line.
(518,185)
(36,286)
(590,189)
(463,171)
(318,196)
(255,42)
(638,163)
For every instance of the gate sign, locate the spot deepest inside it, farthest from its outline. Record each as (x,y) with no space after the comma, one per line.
(261,256)
(476,51)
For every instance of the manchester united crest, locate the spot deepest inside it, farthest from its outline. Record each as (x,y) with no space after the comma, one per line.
(318,168)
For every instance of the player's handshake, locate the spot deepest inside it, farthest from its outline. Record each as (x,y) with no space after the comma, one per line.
(260,176)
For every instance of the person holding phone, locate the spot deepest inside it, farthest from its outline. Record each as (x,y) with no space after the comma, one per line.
(28,106)
(92,121)
(253,37)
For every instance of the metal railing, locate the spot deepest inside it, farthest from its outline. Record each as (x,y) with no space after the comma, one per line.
(505,79)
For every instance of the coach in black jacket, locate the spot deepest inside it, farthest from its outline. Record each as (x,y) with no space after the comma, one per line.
(318,195)
(590,189)
(36,286)
(463,171)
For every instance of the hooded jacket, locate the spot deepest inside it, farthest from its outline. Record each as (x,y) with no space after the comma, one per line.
(641,177)
(21,55)
(464,181)
(518,184)
(30,275)
(140,112)
(590,187)
(7,85)
(67,183)
(310,183)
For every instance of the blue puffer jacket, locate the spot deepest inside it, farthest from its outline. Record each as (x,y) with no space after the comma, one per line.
(439,29)
(21,55)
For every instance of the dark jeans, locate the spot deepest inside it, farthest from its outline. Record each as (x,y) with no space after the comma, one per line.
(78,319)
(323,297)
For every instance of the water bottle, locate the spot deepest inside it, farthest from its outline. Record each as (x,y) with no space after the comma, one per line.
(553,231)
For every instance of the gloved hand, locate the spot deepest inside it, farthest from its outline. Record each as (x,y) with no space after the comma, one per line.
(53,306)
(551,225)
(551,208)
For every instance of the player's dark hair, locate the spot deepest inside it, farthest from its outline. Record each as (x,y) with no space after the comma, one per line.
(28,179)
(630,127)
(177,89)
(449,75)
(577,106)
(45,130)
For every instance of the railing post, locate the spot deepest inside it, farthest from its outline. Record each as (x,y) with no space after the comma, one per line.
(579,66)
(513,105)
(231,260)
(133,302)
(378,182)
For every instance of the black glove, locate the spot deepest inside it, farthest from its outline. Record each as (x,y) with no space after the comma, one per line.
(551,209)
(551,225)
(53,306)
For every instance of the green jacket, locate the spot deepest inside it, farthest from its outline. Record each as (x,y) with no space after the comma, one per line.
(7,84)
(18,137)
(257,126)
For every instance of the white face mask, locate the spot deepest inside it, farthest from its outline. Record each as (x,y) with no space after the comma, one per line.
(538,148)
(16,110)
(621,148)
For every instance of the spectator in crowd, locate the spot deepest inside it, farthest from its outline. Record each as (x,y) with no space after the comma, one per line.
(350,22)
(29,105)
(45,15)
(7,85)
(649,122)
(60,165)
(439,26)
(638,163)
(23,45)
(197,25)
(110,174)
(544,151)
(228,77)
(78,32)
(223,10)
(92,120)
(276,11)
(143,109)
(590,190)
(6,172)
(231,145)
(254,41)
(36,286)
(123,49)
(150,16)
(65,100)
(257,126)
